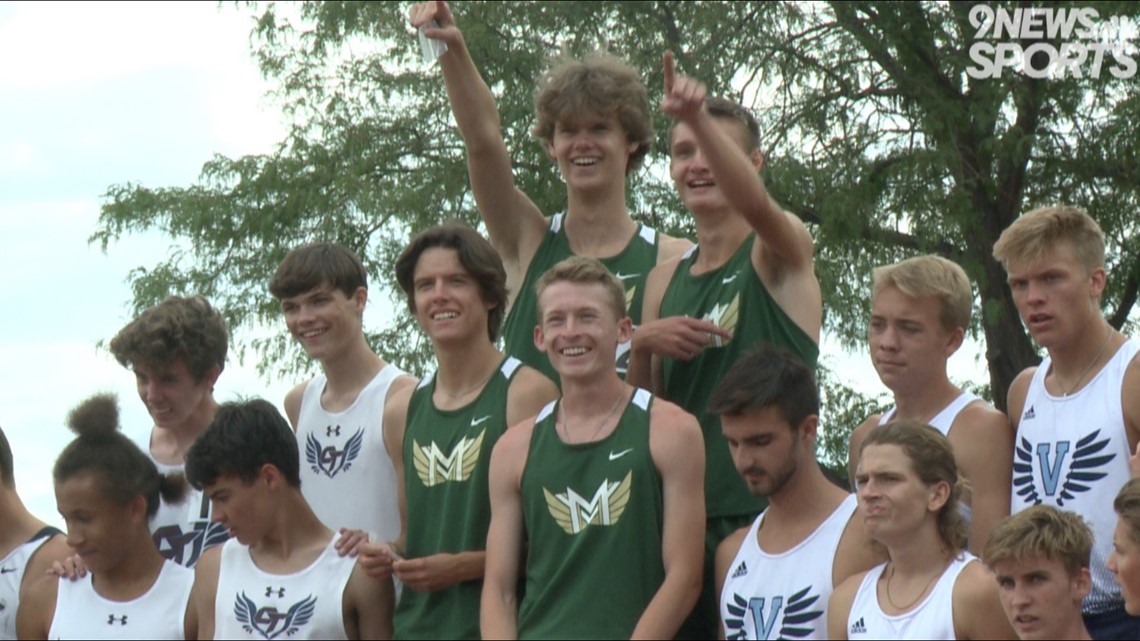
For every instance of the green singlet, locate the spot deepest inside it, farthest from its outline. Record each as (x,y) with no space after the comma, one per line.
(631,266)
(447,455)
(594,516)
(734,298)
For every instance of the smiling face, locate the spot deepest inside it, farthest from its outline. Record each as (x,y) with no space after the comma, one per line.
(909,345)
(448,302)
(1057,297)
(766,450)
(171,395)
(692,177)
(1040,598)
(95,523)
(325,321)
(591,151)
(579,330)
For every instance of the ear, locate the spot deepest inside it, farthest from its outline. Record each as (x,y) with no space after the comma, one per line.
(210,378)
(1098,279)
(810,428)
(625,329)
(1082,585)
(939,495)
(757,158)
(539,339)
(360,299)
(548,145)
(271,476)
(954,341)
(137,510)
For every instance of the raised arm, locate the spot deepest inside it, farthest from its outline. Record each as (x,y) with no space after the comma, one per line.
(677,447)
(782,235)
(498,613)
(514,223)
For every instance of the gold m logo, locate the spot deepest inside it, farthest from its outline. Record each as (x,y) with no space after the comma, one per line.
(434,467)
(573,512)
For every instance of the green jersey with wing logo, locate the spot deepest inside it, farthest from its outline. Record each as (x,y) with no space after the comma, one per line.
(631,266)
(734,298)
(447,455)
(594,517)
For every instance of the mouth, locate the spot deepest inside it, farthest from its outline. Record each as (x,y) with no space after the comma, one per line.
(163,411)
(585,162)
(701,184)
(1037,320)
(313,333)
(441,316)
(1024,621)
(573,351)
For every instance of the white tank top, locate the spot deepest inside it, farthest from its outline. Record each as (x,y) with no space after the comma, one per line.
(770,596)
(943,421)
(343,458)
(1072,453)
(12,576)
(80,613)
(182,531)
(931,619)
(254,604)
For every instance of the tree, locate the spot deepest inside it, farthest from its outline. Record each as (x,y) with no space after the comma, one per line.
(875,134)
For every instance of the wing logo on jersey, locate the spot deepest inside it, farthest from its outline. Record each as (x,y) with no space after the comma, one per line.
(270,622)
(184,548)
(434,467)
(725,316)
(328,460)
(1084,468)
(573,512)
(630,294)
(796,616)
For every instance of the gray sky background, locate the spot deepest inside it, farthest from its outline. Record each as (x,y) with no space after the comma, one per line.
(93,94)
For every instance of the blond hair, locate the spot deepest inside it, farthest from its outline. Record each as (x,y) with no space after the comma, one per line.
(583,271)
(1041,531)
(926,276)
(598,85)
(1030,237)
(1127,506)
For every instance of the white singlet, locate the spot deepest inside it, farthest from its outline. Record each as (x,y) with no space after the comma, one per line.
(12,569)
(933,618)
(183,531)
(770,596)
(160,613)
(1072,452)
(343,458)
(254,604)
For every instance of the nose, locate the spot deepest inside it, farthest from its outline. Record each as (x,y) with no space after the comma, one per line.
(1112,562)
(1019,596)
(888,338)
(1034,293)
(75,538)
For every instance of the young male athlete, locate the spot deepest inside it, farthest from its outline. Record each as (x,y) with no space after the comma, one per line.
(1040,558)
(28,546)
(920,309)
(177,351)
(749,280)
(440,434)
(279,575)
(593,120)
(774,577)
(604,484)
(338,414)
(931,588)
(1077,415)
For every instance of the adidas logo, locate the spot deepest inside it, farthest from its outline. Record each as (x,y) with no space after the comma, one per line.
(740,570)
(858,627)
(1029,413)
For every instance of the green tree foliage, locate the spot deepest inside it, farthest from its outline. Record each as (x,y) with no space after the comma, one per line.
(875,136)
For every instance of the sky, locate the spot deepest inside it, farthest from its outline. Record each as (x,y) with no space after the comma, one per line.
(94,94)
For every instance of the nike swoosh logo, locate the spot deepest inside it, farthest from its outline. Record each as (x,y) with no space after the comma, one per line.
(7,570)
(475,422)
(614,457)
(729,279)
(621,276)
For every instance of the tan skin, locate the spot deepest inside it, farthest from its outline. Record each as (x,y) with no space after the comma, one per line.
(760,442)
(718,180)
(598,224)
(284,537)
(580,335)
(910,348)
(114,542)
(450,310)
(1041,599)
(1058,299)
(18,527)
(901,513)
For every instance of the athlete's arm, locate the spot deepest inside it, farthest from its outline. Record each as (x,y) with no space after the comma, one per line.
(190,619)
(529,392)
(498,612)
(977,608)
(368,605)
(514,223)
(375,558)
(293,403)
(55,550)
(983,448)
(839,606)
(857,437)
(725,555)
(37,608)
(205,590)
(1130,404)
(677,446)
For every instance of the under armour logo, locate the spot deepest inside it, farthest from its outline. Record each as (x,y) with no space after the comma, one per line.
(112,619)
(280,592)
(1029,413)
(858,627)
(332,431)
(740,570)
